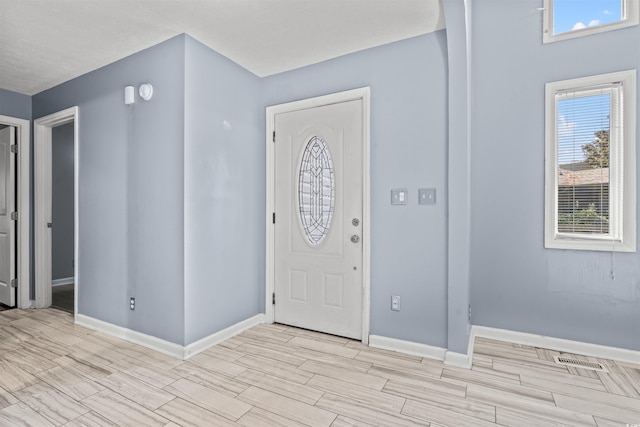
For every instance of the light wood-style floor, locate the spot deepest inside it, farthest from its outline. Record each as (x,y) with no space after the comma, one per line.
(53,372)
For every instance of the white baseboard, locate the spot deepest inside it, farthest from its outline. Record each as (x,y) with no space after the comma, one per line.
(408,347)
(462,360)
(172,349)
(157,344)
(557,344)
(459,360)
(213,339)
(417,349)
(63,281)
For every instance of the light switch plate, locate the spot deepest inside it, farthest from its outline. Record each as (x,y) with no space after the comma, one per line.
(399,196)
(426,196)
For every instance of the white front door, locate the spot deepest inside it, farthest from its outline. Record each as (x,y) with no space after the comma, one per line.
(318,218)
(7,225)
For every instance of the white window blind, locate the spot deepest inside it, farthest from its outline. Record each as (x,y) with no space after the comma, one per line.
(585,137)
(590,163)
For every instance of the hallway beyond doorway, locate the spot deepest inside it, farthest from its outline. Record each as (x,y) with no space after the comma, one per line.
(62,297)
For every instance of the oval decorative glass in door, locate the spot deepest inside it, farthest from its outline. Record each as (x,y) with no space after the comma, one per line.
(316,190)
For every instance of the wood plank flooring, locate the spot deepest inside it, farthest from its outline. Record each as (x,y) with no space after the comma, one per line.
(54,373)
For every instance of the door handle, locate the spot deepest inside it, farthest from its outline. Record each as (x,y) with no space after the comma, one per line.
(355,238)
(49,225)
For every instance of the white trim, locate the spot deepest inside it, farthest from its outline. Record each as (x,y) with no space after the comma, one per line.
(557,344)
(63,281)
(407,347)
(631,17)
(23,253)
(461,360)
(154,343)
(458,359)
(166,347)
(622,167)
(42,197)
(220,336)
(356,94)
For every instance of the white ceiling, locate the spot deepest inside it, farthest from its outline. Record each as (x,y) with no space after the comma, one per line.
(46,42)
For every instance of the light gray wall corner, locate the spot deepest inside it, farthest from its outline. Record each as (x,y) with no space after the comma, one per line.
(14,104)
(517,284)
(62,214)
(458,27)
(408,149)
(224,200)
(131,189)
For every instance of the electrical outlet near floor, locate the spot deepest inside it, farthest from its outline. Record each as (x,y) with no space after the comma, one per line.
(395,302)
(132,303)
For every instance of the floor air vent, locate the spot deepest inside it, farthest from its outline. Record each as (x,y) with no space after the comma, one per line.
(579,364)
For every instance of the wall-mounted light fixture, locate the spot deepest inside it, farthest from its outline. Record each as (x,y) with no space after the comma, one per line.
(129,95)
(146,91)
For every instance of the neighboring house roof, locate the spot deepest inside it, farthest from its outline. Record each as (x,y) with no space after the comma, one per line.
(576,166)
(572,178)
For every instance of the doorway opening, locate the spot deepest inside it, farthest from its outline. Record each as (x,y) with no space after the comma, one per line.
(62,215)
(56,210)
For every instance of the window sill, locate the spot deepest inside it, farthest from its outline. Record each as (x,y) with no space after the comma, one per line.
(586,244)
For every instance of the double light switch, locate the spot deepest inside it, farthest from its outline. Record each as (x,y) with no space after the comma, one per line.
(426,196)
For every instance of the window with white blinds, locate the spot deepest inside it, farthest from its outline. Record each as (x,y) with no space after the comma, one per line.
(590,163)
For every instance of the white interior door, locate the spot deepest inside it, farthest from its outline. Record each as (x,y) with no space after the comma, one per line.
(7,225)
(318,218)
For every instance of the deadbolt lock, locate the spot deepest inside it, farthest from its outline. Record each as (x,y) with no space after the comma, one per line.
(355,222)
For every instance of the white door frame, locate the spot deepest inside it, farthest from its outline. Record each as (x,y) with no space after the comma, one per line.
(23,140)
(336,98)
(42,129)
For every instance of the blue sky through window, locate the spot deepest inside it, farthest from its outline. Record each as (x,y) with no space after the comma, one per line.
(578,121)
(571,15)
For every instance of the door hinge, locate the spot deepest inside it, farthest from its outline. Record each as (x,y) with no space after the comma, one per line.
(274,136)
(14,283)
(14,216)
(14,148)
(274,217)
(273,298)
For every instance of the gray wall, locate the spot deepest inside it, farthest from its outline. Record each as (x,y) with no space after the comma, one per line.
(62,206)
(149,159)
(408,149)
(131,189)
(172,203)
(458,171)
(224,193)
(516,284)
(15,104)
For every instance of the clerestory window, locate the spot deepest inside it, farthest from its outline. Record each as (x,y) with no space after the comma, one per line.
(566,19)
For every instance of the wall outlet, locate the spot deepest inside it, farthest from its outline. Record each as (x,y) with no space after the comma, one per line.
(395,302)
(132,303)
